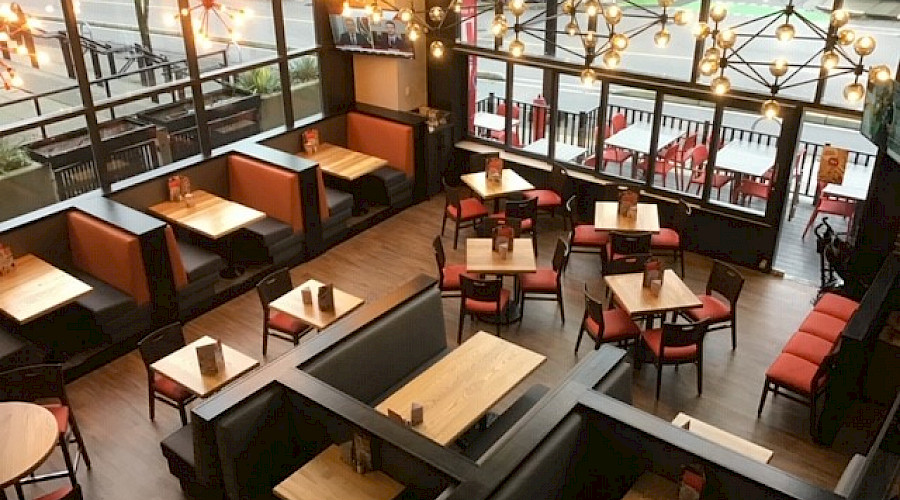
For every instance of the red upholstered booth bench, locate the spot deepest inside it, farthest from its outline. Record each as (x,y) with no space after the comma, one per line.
(276,191)
(110,260)
(392,141)
(803,367)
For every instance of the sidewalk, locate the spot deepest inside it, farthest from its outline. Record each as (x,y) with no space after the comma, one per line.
(873,9)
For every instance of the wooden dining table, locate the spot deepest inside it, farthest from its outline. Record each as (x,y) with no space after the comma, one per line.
(292,304)
(636,300)
(28,433)
(36,287)
(482,259)
(510,182)
(607,218)
(342,162)
(182,367)
(462,386)
(327,477)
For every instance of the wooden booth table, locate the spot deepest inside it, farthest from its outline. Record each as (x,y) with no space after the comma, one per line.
(28,433)
(607,218)
(211,216)
(182,367)
(36,287)
(481,259)
(638,301)
(650,486)
(461,387)
(327,477)
(726,439)
(347,166)
(292,304)
(510,182)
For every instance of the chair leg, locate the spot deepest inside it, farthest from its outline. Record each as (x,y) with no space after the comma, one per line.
(152,403)
(19,492)
(734,332)
(79,440)
(659,367)
(456,235)
(578,340)
(265,342)
(64,446)
(562,308)
(462,319)
(444,222)
(762,399)
(699,377)
(680,253)
(182,411)
(809,224)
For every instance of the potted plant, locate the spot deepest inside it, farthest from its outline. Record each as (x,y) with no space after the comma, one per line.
(25,185)
(265,82)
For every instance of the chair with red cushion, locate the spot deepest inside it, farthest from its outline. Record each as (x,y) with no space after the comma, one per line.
(449,275)
(665,163)
(833,205)
(278,324)
(526,212)
(823,326)
(674,344)
(546,283)
(625,244)
(46,383)
(551,198)
(799,380)
(698,158)
(720,300)
(64,493)
(583,237)
(482,298)
(835,305)
(464,211)
(605,325)
(670,238)
(154,347)
(809,347)
(612,154)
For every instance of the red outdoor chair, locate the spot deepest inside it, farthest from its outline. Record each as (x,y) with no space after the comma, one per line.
(278,324)
(674,344)
(665,163)
(832,205)
(546,283)
(698,158)
(464,212)
(720,300)
(154,347)
(482,298)
(605,325)
(449,275)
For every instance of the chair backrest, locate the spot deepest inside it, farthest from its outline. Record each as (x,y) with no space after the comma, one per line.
(625,265)
(452,197)
(725,280)
(682,214)
(698,157)
(689,142)
(501,110)
(273,286)
(33,382)
(618,122)
(682,334)
(439,256)
(822,372)
(593,308)
(487,290)
(558,178)
(487,227)
(580,209)
(560,255)
(629,243)
(522,209)
(161,343)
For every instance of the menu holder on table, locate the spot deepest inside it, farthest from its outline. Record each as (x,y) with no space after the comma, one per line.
(628,200)
(311,140)
(503,236)
(693,482)
(210,358)
(493,169)
(7,261)
(180,188)
(654,271)
(326,297)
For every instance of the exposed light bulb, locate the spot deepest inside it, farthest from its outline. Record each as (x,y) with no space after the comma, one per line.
(42,58)
(709,65)
(591,8)
(854,92)
(17,81)
(516,7)
(778,67)
(405,14)
(864,45)
(345,9)
(22,50)
(665,3)
(840,17)
(612,58)
(516,48)
(619,41)
(681,17)
(369,7)
(846,36)
(830,60)
(499,26)
(726,38)
(880,73)
(572,27)
(588,77)
(662,38)
(437,49)
(590,40)
(718,12)
(720,85)
(612,14)
(436,14)
(701,30)
(568,8)
(771,109)
(785,32)
(377,14)
(413,32)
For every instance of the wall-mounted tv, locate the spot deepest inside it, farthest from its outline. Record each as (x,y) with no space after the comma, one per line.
(878,112)
(357,33)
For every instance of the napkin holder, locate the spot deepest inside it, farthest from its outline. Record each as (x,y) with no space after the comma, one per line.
(174,184)
(628,200)
(326,297)
(503,234)
(7,261)
(306,296)
(653,275)
(358,452)
(493,167)
(209,357)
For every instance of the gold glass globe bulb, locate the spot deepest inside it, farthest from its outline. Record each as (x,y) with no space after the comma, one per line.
(572,27)
(785,32)
(854,92)
(665,3)
(345,10)
(499,26)
(437,49)
(413,31)
(368,8)
(588,77)
(830,60)
(377,14)
(718,12)
(880,73)
(846,36)
(405,15)
(681,17)
(720,85)
(726,38)
(436,14)
(840,17)
(701,30)
(612,14)
(619,41)
(591,8)
(589,40)
(568,8)
(771,109)
(516,48)
(709,65)
(864,45)
(612,58)
(778,67)
(17,81)
(662,38)
(516,7)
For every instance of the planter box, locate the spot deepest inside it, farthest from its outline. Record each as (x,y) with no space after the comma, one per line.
(306,100)
(26,189)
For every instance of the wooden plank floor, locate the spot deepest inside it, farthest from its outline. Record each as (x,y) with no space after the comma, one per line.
(111,403)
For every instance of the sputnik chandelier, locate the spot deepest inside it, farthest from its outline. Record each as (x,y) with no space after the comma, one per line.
(200,16)
(16,35)
(834,56)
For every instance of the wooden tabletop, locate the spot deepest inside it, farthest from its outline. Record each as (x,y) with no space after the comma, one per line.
(327,477)
(635,299)
(460,388)
(344,163)
(210,216)
(36,287)
(650,486)
(607,218)
(182,366)
(510,182)
(292,304)
(480,258)
(726,439)
(28,433)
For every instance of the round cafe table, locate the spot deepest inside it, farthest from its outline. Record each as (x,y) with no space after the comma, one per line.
(28,433)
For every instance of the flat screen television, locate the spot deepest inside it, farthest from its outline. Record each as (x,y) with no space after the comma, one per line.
(357,33)
(892,123)
(877,112)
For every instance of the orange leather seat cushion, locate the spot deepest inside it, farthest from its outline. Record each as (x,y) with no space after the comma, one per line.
(793,372)
(617,325)
(383,138)
(542,280)
(484,307)
(471,209)
(546,197)
(653,339)
(712,309)
(526,224)
(451,276)
(824,326)
(587,236)
(108,253)
(833,304)
(178,271)
(266,188)
(809,347)
(170,388)
(286,323)
(667,238)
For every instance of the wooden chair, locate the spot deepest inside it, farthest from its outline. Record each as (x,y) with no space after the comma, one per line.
(526,212)
(448,275)
(698,158)
(551,198)
(725,282)
(625,244)
(673,344)
(154,347)
(45,382)
(670,238)
(583,237)
(278,324)
(482,298)
(64,493)
(605,325)
(546,283)
(486,230)
(465,212)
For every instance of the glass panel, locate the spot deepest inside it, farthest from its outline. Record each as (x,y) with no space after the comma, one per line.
(745,164)
(685,124)
(487,98)
(306,90)
(299,25)
(529,111)
(232,33)
(263,87)
(628,130)
(887,36)
(577,115)
(475,28)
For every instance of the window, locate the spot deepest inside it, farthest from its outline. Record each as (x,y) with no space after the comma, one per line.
(487,98)
(577,121)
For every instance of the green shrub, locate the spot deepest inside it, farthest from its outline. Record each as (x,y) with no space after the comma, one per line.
(304,69)
(259,81)
(12,157)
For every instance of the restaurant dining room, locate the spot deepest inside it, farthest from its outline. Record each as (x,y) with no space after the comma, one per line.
(563,249)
